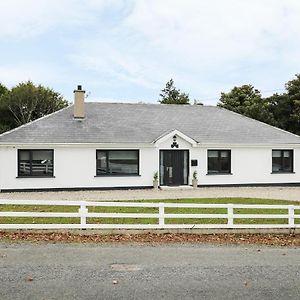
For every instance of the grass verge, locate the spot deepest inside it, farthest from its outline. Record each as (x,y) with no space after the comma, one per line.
(42,220)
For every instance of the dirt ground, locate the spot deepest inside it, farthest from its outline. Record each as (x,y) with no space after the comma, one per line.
(274,239)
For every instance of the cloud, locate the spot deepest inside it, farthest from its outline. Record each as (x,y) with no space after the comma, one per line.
(196,42)
(206,46)
(30,18)
(199,35)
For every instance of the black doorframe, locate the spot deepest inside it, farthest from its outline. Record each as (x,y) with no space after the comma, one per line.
(177,163)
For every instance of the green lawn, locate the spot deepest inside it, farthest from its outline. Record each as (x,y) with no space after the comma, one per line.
(23,220)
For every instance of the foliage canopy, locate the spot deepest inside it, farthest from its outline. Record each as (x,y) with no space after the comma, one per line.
(27,102)
(171,95)
(281,110)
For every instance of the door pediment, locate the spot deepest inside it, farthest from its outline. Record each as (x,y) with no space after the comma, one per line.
(172,137)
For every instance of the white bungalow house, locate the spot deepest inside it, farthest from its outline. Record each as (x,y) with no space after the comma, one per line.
(119,145)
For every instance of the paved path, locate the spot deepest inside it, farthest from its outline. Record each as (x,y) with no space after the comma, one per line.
(91,271)
(287,193)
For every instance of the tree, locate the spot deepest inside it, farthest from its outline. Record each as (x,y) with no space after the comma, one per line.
(293,92)
(27,102)
(6,122)
(3,89)
(171,95)
(286,107)
(247,100)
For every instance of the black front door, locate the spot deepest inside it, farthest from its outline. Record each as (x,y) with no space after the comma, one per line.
(174,167)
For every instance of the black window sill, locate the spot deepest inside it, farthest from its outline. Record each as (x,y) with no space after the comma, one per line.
(118,175)
(35,176)
(220,173)
(283,172)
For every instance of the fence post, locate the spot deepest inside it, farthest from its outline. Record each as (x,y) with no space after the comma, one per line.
(83,213)
(291,216)
(161,213)
(230,215)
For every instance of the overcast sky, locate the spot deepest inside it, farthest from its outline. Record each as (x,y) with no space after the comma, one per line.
(127,50)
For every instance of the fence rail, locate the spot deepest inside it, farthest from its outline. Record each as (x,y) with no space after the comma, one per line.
(160,215)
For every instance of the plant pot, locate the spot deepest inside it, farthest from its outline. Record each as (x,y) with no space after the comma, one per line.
(195,183)
(155,184)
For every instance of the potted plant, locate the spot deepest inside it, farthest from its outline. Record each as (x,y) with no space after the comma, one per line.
(195,180)
(155,180)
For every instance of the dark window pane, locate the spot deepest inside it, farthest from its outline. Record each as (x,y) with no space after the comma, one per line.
(162,167)
(287,164)
(42,163)
(276,165)
(24,168)
(116,162)
(24,163)
(282,161)
(213,161)
(218,161)
(213,153)
(213,164)
(287,161)
(276,153)
(24,155)
(224,154)
(101,162)
(123,162)
(224,166)
(35,162)
(185,167)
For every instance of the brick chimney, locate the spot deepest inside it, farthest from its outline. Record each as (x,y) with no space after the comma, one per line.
(79,112)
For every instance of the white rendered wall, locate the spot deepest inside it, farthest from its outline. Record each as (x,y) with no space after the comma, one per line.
(248,166)
(75,167)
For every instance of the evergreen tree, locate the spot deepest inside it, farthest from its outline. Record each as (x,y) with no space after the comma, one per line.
(171,95)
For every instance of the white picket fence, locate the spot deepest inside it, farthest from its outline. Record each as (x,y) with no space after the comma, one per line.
(161,216)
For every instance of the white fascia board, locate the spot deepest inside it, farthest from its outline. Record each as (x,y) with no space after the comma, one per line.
(176,132)
(145,145)
(219,146)
(80,145)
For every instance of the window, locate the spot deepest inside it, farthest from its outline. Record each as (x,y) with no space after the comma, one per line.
(219,161)
(117,162)
(282,161)
(35,163)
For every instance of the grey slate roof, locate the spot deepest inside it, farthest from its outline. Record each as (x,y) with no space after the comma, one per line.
(144,123)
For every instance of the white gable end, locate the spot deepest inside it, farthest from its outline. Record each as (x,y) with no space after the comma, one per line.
(175,136)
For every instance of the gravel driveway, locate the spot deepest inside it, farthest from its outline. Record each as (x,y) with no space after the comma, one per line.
(286,193)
